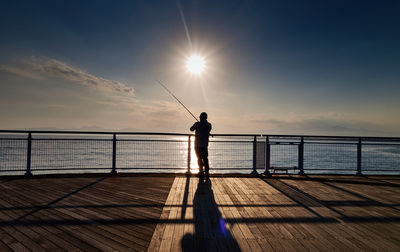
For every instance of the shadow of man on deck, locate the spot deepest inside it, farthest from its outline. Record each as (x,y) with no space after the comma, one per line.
(211,233)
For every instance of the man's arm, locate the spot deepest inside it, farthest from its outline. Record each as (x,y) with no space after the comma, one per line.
(193,127)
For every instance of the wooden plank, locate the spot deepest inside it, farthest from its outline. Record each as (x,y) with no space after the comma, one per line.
(179,227)
(160,228)
(158,237)
(11,243)
(231,213)
(166,241)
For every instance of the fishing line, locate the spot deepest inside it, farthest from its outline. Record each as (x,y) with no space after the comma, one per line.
(159,82)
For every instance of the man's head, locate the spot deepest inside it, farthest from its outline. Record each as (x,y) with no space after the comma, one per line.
(203,116)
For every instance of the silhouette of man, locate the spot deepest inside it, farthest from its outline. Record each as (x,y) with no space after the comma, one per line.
(202,129)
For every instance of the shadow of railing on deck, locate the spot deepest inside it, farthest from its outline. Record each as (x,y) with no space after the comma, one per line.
(359,180)
(306,200)
(331,203)
(50,204)
(210,230)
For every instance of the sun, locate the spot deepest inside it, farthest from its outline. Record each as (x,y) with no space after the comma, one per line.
(195,64)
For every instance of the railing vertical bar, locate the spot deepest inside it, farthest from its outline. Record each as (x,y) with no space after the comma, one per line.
(254,172)
(359,172)
(28,156)
(114,155)
(267,157)
(189,155)
(301,156)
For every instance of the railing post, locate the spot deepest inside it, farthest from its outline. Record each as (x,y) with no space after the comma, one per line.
(267,157)
(301,156)
(359,173)
(114,155)
(189,155)
(254,172)
(28,156)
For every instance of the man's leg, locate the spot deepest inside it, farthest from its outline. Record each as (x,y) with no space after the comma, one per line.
(205,162)
(199,162)
(207,168)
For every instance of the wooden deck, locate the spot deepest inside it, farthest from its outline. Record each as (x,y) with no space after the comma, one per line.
(81,214)
(120,213)
(286,213)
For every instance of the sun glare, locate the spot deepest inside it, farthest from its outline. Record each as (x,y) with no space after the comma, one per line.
(195,64)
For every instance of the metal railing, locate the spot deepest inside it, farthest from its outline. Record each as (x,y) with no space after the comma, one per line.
(50,152)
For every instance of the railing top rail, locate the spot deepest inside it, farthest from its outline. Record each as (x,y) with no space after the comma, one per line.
(115,132)
(363,138)
(90,132)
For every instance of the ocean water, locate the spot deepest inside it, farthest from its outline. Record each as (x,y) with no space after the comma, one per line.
(77,154)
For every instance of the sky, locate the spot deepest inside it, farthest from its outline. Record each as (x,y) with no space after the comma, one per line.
(272,67)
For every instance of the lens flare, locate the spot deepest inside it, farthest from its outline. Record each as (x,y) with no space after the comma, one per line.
(222,227)
(195,64)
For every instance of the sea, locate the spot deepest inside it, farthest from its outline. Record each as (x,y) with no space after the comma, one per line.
(57,154)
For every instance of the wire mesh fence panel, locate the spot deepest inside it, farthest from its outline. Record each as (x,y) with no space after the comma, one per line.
(13,155)
(73,155)
(162,155)
(330,158)
(380,158)
(260,156)
(234,156)
(284,155)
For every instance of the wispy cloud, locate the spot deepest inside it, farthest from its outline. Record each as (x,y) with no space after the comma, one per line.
(36,68)
(19,71)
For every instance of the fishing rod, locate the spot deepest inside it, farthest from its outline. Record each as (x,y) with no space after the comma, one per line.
(159,82)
